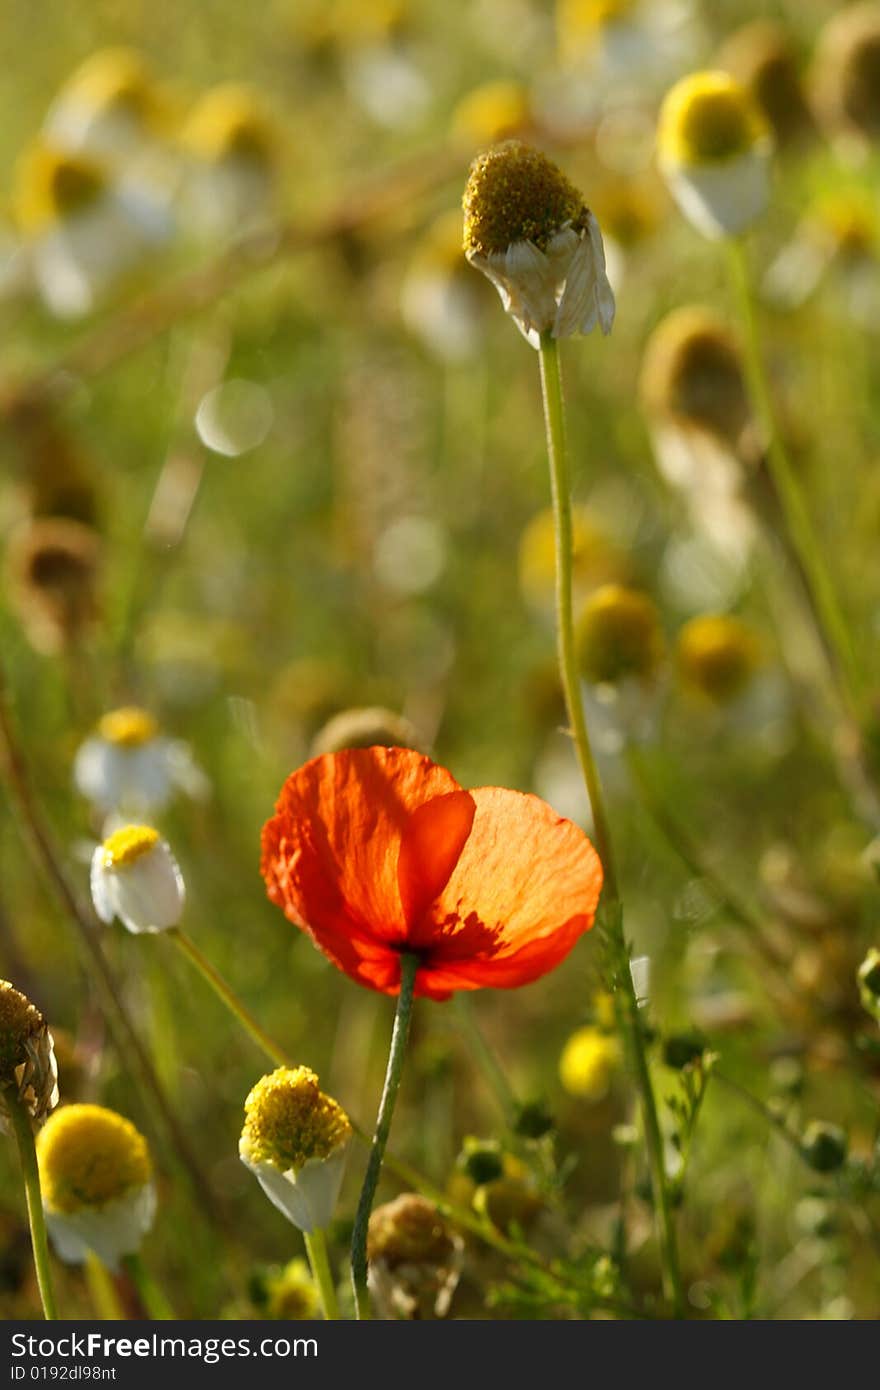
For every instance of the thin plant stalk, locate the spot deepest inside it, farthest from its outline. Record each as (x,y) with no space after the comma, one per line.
(316,1249)
(832,628)
(24,1138)
(155,1304)
(554,415)
(486,1059)
(409,964)
(188,947)
(103,1291)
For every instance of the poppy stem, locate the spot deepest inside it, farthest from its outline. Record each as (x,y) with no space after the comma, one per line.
(20,1121)
(409,964)
(316,1249)
(554,416)
(227,995)
(824,605)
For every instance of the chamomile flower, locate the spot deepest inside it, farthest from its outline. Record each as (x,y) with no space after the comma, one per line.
(232,150)
(761,56)
(714,150)
(97,1183)
(52,566)
(128,767)
(619,636)
(415,1259)
(82,229)
(108,108)
(846,75)
(27,1056)
(588,1062)
(527,228)
(717,656)
(294,1141)
(136,878)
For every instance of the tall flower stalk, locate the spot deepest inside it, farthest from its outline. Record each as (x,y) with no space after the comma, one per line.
(20,1122)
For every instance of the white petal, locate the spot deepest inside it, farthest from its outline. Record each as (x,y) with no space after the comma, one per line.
(100,886)
(111,1231)
(308,1196)
(724,198)
(98,773)
(147,894)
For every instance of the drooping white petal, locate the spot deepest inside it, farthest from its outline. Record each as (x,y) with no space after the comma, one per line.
(110,1231)
(147,894)
(306,1196)
(724,198)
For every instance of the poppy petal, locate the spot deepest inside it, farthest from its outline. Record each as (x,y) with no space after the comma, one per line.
(525,887)
(432,843)
(331,851)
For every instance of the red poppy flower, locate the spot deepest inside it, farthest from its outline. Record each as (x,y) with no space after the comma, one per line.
(375,851)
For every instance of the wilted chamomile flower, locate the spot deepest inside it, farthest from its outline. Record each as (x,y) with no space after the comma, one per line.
(366,728)
(136,878)
(527,228)
(294,1141)
(232,149)
(717,655)
(128,767)
(588,1062)
(714,148)
(618,635)
(52,568)
(869,983)
(97,1183)
(415,1259)
(596,557)
(82,229)
(492,112)
(27,1057)
(692,374)
(846,74)
(761,56)
(108,108)
(439,300)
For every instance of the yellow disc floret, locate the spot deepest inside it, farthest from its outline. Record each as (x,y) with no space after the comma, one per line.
(708,118)
(587,1062)
(51,185)
(114,79)
(228,124)
(717,655)
(289,1120)
(129,727)
(515,193)
(20,1023)
(125,846)
(618,635)
(90,1156)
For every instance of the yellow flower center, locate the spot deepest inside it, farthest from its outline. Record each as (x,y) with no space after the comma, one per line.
(89,1156)
(130,843)
(51,185)
(116,79)
(618,634)
(289,1120)
(129,727)
(228,124)
(515,193)
(707,118)
(587,1061)
(19,1020)
(717,655)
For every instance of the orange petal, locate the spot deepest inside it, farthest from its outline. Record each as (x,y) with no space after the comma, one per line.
(525,887)
(331,851)
(432,843)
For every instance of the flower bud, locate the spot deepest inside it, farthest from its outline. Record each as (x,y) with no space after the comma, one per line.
(846,72)
(481,1159)
(136,878)
(587,1063)
(824,1146)
(52,569)
(717,655)
(692,374)
(97,1184)
(366,728)
(415,1259)
(294,1141)
(869,983)
(681,1049)
(27,1056)
(761,57)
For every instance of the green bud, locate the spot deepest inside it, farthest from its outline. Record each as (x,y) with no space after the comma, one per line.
(533,1120)
(482,1160)
(824,1146)
(681,1049)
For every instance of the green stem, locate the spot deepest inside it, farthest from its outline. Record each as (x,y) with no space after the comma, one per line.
(316,1249)
(102,1290)
(409,964)
(24,1137)
(224,992)
(831,625)
(554,415)
(155,1304)
(486,1059)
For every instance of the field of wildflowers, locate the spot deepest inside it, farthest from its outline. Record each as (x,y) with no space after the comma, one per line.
(439,694)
